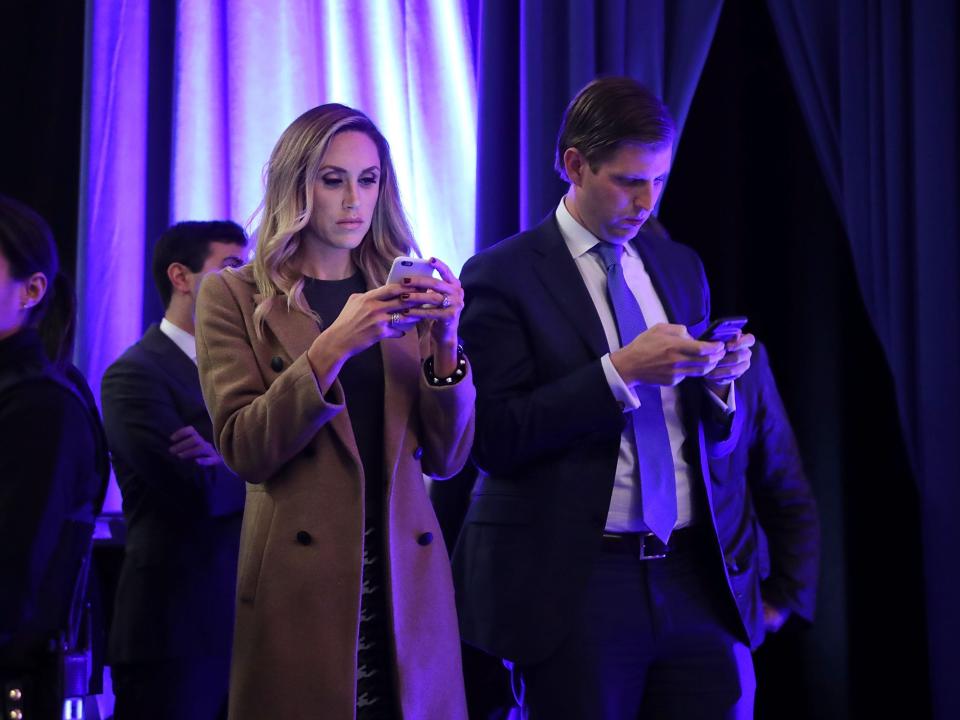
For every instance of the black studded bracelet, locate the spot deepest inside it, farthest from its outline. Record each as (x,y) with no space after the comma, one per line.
(453,379)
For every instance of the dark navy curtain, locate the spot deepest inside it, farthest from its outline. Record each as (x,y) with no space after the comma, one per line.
(878,84)
(532,56)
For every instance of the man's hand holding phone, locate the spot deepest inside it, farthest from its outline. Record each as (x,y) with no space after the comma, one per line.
(736,358)
(665,354)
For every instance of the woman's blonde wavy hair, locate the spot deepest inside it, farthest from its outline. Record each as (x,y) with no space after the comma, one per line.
(290,176)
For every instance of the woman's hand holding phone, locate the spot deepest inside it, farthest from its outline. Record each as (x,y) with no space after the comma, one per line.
(439,302)
(366,318)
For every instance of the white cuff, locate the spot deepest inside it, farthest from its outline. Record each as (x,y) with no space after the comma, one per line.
(728,407)
(622,392)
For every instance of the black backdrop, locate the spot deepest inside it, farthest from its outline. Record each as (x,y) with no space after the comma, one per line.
(41,68)
(746,191)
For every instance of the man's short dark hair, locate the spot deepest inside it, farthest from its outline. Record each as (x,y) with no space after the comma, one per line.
(608,112)
(188,243)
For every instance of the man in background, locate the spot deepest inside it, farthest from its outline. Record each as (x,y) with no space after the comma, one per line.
(766,461)
(170,638)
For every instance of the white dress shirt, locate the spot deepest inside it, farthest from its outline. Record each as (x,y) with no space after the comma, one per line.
(181,338)
(625,510)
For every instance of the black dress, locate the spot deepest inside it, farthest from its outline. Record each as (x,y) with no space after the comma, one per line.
(52,477)
(363,386)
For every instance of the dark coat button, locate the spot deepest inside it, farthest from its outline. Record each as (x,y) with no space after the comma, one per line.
(304,538)
(418,453)
(276,363)
(425,539)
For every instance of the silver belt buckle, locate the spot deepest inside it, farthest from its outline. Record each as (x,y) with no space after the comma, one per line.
(644,554)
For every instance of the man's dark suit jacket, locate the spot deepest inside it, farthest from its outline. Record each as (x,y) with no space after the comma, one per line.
(175,596)
(766,480)
(548,435)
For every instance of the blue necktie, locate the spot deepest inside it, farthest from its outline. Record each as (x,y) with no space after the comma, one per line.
(658,486)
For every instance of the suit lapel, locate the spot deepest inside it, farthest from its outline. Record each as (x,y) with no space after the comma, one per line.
(663,282)
(174,361)
(558,272)
(671,293)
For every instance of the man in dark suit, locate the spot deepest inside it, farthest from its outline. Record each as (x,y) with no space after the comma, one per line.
(591,557)
(171,634)
(767,466)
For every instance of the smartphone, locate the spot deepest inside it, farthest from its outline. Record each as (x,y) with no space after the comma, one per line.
(723,329)
(409,267)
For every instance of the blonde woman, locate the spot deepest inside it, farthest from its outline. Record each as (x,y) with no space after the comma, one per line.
(331,394)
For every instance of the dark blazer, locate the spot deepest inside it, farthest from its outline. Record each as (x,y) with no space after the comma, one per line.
(175,595)
(548,434)
(51,483)
(766,483)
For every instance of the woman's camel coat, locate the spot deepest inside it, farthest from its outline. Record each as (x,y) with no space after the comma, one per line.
(301,548)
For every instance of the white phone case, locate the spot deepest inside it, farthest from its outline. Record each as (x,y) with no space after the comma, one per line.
(409,267)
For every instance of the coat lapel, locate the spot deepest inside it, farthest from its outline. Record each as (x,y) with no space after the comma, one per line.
(401,366)
(295,332)
(558,272)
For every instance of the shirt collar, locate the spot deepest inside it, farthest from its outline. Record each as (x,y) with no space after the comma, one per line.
(579,240)
(181,338)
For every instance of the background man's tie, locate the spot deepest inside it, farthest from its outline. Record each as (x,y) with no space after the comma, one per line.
(658,491)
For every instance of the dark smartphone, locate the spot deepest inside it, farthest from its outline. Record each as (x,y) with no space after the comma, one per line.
(723,329)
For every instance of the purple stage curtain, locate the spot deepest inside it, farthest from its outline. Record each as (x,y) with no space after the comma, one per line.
(184,101)
(532,58)
(110,255)
(878,83)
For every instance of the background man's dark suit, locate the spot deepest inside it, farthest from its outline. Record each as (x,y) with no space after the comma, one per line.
(765,482)
(548,433)
(175,596)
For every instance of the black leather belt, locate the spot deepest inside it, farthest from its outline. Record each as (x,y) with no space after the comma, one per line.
(646,545)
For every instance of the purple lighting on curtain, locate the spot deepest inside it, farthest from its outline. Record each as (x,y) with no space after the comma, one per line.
(113,186)
(242,71)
